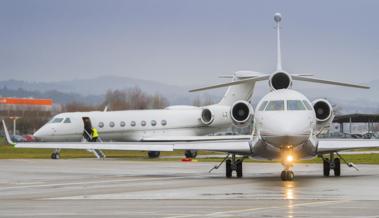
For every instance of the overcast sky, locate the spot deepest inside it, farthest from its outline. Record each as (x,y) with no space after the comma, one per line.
(186,42)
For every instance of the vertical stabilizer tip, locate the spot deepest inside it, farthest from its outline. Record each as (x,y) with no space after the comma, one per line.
(277,17)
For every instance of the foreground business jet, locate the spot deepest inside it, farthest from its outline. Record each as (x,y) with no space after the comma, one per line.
(286,126)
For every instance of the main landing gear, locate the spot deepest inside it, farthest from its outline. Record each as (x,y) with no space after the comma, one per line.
(231,164)
(190,153)
(56,154)
(334,164)
(153,154)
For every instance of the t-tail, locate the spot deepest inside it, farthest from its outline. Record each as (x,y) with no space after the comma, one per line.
(280,79)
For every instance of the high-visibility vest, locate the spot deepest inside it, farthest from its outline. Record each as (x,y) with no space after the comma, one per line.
(94,133)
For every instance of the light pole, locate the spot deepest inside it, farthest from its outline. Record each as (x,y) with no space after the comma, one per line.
(14,123)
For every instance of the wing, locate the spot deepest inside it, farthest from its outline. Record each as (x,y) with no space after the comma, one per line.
(233,144)
(332,145)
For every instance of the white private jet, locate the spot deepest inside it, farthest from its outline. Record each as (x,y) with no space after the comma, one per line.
(142,125)
(286,126)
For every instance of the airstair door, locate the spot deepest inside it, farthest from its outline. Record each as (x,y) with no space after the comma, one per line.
(87,128)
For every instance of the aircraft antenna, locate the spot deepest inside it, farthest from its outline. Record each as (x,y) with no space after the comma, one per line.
(277,19)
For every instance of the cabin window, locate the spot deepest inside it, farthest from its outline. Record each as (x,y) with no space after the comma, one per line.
(153,123)
(163,122)
(275,106)
(295,105)
(143,123)
(307,105)
(101,124)
(263,105)
(57,120)
(122,123)
(67,120)
(111,124)
(133,123)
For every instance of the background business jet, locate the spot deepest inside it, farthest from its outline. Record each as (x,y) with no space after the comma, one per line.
(286,126)
(141,125)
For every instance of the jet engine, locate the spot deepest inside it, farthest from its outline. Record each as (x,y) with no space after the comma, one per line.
(241,113)
(323,110)
(207,116)
(280,80)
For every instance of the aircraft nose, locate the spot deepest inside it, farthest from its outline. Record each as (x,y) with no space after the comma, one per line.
(286,131)
(41,133)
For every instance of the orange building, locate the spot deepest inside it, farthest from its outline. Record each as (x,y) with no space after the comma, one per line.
(25,104)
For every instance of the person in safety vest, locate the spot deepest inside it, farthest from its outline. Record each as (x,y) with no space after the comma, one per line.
(94,135)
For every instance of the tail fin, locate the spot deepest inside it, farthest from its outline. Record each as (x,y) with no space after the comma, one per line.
(243,91)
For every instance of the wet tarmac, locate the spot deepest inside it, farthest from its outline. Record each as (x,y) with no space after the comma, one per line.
(122,188)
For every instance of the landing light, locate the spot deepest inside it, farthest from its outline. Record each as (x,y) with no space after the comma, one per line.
(289,158)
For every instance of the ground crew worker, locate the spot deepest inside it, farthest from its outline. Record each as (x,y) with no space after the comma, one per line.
(94,134)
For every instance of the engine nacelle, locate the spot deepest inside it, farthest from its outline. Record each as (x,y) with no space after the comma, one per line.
(241,113)
(323,110)
(280,80)
(207,116)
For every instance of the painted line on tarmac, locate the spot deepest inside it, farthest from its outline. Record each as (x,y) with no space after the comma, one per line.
(233,212)
(95,182)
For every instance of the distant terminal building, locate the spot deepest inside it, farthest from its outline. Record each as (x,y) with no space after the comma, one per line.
(25,104)
(31,113)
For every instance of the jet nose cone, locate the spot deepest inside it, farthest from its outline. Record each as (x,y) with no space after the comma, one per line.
(41,134)
(285,131)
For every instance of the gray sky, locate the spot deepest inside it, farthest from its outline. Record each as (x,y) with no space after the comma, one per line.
(185,42)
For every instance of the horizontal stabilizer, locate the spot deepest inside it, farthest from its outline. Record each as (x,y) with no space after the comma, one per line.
(253,79)
(330,82)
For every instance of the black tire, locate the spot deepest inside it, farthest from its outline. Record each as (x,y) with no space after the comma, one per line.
(154,154)
(290,176)
(190,154)
(326,167)
(228,168)
(337,167)
(53,156)
(283,175)
(239,169)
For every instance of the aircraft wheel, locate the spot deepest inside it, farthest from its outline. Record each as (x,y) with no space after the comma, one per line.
(55,156)
(326,166)
(337,167)
(287,175)
(153,154)
(190,154)
(239,169)
(228,165)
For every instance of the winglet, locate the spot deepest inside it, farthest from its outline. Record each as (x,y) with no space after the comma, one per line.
(7,136)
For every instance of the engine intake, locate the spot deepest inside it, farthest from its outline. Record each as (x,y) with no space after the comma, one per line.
(241,113)
(323,110)
(207,116)
(280,80)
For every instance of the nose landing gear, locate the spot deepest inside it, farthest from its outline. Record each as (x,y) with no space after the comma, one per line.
(287,161)
(287,175)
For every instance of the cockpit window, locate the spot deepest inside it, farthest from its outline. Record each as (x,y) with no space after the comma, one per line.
(275,106)
(307,105)
(295,105)
(57,120)
(67,120)
(263,105)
